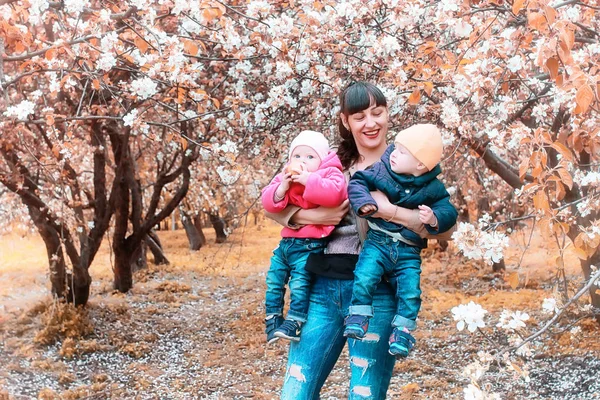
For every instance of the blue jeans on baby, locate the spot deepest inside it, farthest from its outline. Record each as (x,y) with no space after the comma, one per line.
(401,263)
(311,360)
(287,264)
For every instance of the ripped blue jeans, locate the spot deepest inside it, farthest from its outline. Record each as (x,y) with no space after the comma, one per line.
(311,360)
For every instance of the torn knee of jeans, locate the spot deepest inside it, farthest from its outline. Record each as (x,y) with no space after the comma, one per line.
(371,337)
(364,391)
(360,362)
(295,372)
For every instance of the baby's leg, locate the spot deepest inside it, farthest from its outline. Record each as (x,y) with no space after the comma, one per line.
(277,277)
(367,275)
(406,278)
(299,284)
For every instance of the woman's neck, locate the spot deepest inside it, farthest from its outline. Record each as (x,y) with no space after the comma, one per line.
(370,156)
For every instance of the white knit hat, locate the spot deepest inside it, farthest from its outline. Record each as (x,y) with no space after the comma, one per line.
(312,139)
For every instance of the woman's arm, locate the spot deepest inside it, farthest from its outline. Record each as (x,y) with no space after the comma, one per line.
(404,216)
(283,217)
(296,217)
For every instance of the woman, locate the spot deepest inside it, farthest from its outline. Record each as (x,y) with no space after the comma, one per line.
(363,126)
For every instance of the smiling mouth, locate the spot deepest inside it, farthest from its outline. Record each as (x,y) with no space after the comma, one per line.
(371,134)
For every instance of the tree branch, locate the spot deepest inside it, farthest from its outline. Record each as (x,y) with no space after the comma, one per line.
(504,170)
(44,50)
(558,314)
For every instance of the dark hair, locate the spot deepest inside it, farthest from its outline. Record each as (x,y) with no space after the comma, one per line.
(356,97)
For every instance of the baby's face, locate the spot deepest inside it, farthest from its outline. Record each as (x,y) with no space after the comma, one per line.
(403,162)
(304,158)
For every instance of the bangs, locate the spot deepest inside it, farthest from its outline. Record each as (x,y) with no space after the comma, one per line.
(361,95)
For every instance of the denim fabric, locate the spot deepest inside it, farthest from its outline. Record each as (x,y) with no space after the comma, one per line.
(288,263)
(401,263)
(311,360)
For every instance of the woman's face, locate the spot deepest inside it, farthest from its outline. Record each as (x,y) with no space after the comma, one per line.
(369,127)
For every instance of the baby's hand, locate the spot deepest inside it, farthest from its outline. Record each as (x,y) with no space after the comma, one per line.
(286,180)
(283,187)
(301,176)
(426,216)
(367,209)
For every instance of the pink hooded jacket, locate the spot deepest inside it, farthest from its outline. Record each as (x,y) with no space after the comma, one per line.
(325,187)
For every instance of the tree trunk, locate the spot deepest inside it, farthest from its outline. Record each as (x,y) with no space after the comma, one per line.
(499,266)
(123,276)
(443,244)
(198,225)
(78,287)
(219,226)
(587,272)
(56,259)
(191,231)
(156,248)
(138,259)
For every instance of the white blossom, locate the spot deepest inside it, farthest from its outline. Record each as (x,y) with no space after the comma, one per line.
(572,13)
(388,46)
(37,94)
(584,208)
(227,147)
(181,6)
(76,6)
(480,245)
(144,88)
(472,392)
(140,4)
(21,110)
(475,371)
(463,29)
(106,62)
(109,41)
(469,316)
(258,8)
(283,70)
(129,119)
(549,305)
(592,178)
(450,116)
(448,5)
(512,321)
(515,64)
(36,9)
(228,177)
(539,112)
(6,12)
(576,330)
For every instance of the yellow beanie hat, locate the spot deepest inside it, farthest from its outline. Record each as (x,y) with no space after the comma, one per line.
(424,141)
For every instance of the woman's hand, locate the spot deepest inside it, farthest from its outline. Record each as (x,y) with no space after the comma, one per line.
(321,215)
(398,215)
(385,209)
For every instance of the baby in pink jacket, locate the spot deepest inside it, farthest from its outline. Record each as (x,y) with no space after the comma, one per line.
(312,177)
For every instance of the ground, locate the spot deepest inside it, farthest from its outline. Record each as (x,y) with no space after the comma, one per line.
(194,330)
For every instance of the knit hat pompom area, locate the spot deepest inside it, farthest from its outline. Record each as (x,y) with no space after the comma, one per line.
(312,139)
(424,141)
